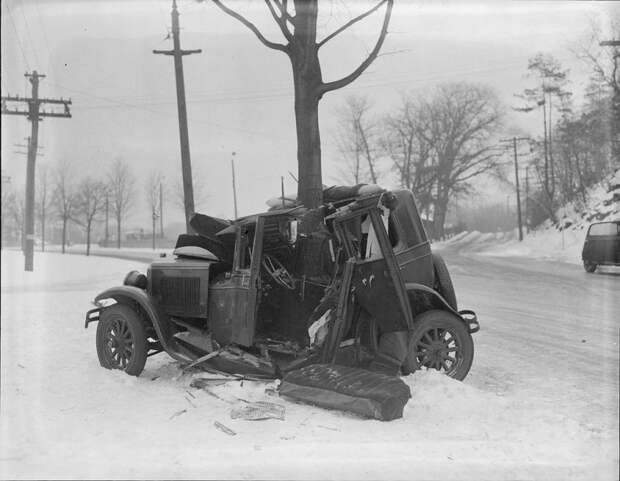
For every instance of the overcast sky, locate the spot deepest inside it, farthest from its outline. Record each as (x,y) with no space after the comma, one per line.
(239,92)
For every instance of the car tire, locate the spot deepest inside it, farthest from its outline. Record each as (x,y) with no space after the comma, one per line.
(590,267)
(443,281)
(121,340)
(441,341)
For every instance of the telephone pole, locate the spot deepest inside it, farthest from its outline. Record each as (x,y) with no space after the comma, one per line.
(527,200)
(161,210)
(186,165)
(234,184)
(34,115)
(514,141)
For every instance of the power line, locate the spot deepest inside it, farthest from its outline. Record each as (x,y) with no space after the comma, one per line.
(167,114)
(32,45)
(19,42)
(44,30)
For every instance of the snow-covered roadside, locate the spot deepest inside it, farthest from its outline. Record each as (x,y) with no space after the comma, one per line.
(545,244)
(560,242)
(65,417)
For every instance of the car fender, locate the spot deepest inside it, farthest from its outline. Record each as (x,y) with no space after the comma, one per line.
(467,316)
(159,319)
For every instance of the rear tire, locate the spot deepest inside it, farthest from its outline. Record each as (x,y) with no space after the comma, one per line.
(590,267)
(443,281)
(441,341)
(121,340)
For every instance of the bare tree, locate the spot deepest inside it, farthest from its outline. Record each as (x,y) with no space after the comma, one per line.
(13,213)
(408,141)
(357,139)
(152,187)
(89,204)
(120,189)
(44,200)
(551,78)
(604,61)
(298,26)
(461,120)
(201,193)
(63,198)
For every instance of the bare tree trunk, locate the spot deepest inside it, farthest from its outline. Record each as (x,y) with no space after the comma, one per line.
(64,234)
(118,232)
(441,207)
(307,80)
(88,225)
(42,228)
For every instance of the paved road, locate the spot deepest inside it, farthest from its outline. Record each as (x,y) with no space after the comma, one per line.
(547,328)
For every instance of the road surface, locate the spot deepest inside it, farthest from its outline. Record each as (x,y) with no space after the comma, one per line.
(547,328)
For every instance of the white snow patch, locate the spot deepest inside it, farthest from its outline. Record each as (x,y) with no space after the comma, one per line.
(560,242)
(63,416)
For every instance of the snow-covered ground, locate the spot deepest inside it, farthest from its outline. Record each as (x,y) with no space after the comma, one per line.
(562,241)
(63,416)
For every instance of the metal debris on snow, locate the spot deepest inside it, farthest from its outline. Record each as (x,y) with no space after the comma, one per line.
(256,411)
(178,413)
(224,429)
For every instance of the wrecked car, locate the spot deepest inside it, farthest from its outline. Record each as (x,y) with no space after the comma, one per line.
(353,283)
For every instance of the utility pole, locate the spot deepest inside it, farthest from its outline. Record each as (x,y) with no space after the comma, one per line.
(186,165)
(34,114)
(161,211)
(27,153)
(154,223)
(107,218)
(514,141)
(234,185)
(527,200)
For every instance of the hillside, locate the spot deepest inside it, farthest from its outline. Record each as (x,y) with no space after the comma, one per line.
(560,241)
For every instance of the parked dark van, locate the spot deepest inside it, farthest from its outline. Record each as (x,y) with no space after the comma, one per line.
(602,245)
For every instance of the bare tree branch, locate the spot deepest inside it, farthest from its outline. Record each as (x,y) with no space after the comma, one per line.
(281,21)
(251,26)
(336,84)
(350,23)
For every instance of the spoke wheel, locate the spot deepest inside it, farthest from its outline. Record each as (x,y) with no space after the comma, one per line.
(121,340)
(441,341)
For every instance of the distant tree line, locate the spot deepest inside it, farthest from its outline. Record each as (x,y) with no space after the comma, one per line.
(91,203)
(435,142)
(578,146)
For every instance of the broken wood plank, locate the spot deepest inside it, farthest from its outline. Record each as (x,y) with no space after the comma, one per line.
(204,358)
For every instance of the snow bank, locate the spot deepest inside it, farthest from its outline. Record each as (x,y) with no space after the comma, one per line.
(63,416)
(561,241)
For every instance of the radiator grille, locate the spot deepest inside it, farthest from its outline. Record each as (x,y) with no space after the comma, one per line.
(180,292)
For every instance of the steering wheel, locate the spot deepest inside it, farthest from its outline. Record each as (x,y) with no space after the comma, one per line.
(278,272)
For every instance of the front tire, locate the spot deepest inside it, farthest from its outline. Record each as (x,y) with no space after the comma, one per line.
(590,267)
(121,340)
(441,341)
